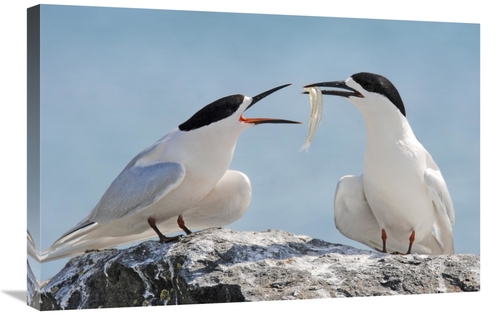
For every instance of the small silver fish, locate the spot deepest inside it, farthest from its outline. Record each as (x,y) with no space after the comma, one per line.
(316,100)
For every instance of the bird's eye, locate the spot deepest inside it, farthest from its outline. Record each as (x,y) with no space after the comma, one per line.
(369,87)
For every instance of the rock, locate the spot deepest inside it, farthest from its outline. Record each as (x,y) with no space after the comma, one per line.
(33,290)
(221,265)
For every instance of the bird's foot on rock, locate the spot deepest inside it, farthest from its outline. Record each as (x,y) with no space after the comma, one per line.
(165,239)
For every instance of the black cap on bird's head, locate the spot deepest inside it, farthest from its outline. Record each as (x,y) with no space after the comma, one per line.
(369,82)
(226,107)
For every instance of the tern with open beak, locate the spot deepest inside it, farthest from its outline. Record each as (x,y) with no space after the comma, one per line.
(180,181)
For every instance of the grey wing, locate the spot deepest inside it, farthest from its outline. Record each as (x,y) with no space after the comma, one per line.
(136,188)
(445,213)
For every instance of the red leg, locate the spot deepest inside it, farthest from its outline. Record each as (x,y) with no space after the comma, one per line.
(412,239)
(180,222)
(384,238)
(163,238)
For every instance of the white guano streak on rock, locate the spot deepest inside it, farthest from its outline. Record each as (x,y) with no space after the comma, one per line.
(80,287)
(147,291)
(172,274)
(109,263)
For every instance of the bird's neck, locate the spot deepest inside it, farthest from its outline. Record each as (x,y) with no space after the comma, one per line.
(386,127)
(389,141)
(207,154)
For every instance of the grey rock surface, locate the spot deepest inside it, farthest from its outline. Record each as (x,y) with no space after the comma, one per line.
(221,265)
(33,290)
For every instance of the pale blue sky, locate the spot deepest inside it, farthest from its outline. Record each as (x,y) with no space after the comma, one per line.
(116,80)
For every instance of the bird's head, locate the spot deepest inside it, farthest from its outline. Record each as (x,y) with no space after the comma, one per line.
(227,112)
(368,91)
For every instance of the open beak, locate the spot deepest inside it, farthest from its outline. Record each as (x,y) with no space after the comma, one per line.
(341,89)
(257,121)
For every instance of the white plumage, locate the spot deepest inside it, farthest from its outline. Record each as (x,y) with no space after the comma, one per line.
(400,203)
(182,178)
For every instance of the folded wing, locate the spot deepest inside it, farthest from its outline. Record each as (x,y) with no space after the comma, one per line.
(136,188)
(443,207)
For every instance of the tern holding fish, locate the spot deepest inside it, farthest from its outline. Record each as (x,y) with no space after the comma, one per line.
(401,197)
(182,179)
